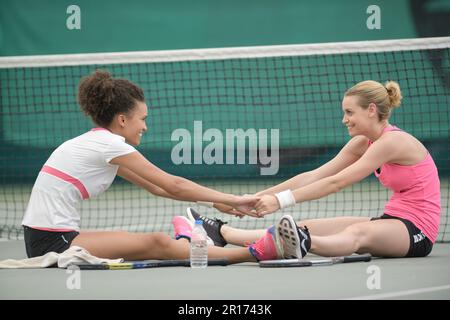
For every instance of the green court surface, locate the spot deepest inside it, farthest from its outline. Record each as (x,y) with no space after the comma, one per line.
(409,278)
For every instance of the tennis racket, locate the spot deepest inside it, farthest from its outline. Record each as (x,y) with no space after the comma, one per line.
(147,264)
(317,262)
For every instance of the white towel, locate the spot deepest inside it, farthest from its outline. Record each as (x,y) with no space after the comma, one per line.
(73,255)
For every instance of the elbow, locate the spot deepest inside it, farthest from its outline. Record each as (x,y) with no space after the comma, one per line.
(156,191)
(153,189)
(337,184)
(178,187)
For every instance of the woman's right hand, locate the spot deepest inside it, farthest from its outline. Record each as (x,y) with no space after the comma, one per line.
(242,206)
(246,205)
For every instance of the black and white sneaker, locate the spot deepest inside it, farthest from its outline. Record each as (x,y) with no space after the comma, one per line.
(296,240)
(212,227)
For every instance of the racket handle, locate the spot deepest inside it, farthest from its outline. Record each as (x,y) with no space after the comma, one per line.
(218,262)
(358,258)
(187,263)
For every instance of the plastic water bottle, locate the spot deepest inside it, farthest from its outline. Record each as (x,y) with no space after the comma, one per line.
(199,246)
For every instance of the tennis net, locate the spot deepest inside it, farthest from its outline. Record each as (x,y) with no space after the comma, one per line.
(235,119)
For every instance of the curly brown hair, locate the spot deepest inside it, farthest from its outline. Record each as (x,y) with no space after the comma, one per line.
(101,96)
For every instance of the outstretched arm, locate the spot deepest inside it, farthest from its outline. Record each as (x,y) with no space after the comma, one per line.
(132,177)
(179,188)
(381,151)
(350,153)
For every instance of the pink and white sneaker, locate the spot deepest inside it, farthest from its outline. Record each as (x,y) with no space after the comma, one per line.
(268,247)
(182,227)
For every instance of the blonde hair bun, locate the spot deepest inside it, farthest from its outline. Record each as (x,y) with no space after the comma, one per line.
(394,93)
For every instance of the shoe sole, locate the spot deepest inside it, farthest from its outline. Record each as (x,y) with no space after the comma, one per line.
(189,214)
(188,221)
(287,231)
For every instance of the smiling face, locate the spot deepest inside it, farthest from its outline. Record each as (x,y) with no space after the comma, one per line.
(358,120)
(133,124)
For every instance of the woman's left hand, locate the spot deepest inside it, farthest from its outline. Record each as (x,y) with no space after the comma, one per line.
(267,204)
(246,204)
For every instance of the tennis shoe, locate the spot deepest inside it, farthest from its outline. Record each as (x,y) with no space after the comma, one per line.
(295,240)
(212,227)
(268,247)
(182,227)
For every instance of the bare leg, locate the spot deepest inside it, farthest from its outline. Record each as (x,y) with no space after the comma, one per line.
(329,226)
(241,237)
(320,227)
(142,246)
(386,238)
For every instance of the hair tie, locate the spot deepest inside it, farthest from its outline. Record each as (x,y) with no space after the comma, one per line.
(388,90)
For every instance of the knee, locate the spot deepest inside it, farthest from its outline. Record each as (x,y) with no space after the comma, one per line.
(355,230)
(159,240)
(358,235)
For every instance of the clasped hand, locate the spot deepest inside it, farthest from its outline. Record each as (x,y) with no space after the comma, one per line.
(251,205)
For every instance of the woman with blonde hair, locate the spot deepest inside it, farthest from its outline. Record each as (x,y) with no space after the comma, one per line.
(409,224)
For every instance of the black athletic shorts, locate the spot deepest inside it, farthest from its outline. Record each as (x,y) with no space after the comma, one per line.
(419,244)
(40,242)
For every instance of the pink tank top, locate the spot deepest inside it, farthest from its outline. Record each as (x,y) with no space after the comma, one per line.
(416,196)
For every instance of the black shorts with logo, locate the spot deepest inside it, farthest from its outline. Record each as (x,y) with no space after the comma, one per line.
(419,244)
(40,242)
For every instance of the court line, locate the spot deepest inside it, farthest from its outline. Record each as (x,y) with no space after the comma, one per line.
(400,293)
